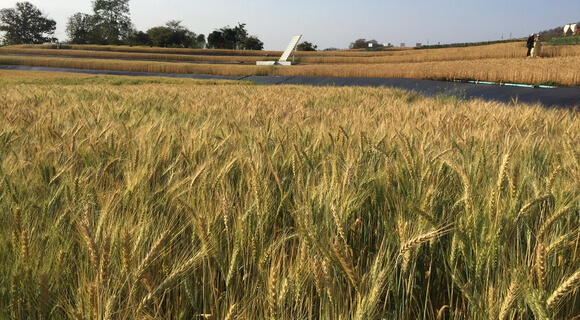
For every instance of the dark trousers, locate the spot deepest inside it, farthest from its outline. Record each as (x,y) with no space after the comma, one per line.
(529,51)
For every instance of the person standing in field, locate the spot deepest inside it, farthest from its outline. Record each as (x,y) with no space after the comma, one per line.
(530,45)
(537,49)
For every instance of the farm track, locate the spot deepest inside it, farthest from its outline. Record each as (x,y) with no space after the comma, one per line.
(563,97)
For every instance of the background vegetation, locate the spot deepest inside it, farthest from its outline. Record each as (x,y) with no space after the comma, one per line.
(165,198)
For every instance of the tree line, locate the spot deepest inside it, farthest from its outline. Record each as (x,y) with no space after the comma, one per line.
(110,24)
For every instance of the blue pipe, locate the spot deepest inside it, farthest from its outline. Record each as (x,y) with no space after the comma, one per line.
(505,84)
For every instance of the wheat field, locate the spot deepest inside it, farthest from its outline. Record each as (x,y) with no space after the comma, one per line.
(125,198)
(503,62)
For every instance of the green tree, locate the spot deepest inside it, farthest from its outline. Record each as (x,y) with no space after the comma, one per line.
(200,40)
(159,36)
(26,24)
(80,28)
(364,44)
(252,43)
(306,46)
(173,34)
(112,20)
(139,38)
(358,44)
(215,40)
(234,37)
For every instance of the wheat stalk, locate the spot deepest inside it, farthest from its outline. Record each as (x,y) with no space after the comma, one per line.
(231,312)
(346,265)
(563,290)
(171,279)
(327,278)
(105,258)
(509,300)
(43,294)
(338,222)
(318,276)
(232,268)
(552,178)
(541,264)
(91,244)
(420,239)
(546,225)
(502,171)
(466,186)
(16,233)
(492,204)
(531,204)
(151,255)
(126,249)
(25,248)
(272,296)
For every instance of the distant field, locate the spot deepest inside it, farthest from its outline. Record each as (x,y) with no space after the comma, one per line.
(157,198)
(495,62)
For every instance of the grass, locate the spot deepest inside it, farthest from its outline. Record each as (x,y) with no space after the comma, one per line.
(184,199)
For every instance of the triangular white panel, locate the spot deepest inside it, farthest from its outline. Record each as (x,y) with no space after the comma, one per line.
(291,46)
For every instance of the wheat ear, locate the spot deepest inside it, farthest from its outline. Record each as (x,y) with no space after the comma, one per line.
(91,244)
(126,251)
(509,300)
(105,258)
(564,289)
(532,203)
(502,171)
(173,277)
(153,252)
(346,265)
(318,276)
(272,296)
(541,264)
(231,312)
(338,222)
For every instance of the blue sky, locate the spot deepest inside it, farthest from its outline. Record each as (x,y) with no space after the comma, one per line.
(337,23)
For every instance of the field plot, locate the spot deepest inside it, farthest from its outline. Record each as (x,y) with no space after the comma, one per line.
(502,62)
(125,198)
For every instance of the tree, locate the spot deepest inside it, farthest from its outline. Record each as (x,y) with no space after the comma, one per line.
(215,40)
(80,28)
(358,44)
(112,20)
(306,46)
(173,34)
(252,43)
(363,44)
(200,40)
(233,38)
(26,24)
(159,36)
(139,38)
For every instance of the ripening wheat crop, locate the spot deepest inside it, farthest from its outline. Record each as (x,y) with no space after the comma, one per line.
(125,198)
(504,62)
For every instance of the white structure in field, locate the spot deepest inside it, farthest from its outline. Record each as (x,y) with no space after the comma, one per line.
(284,58)
(570,28)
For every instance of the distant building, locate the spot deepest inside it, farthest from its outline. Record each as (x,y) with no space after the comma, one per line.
(418,44)
(402,44)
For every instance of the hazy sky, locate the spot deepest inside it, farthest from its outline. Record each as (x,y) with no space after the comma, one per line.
(337,23)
